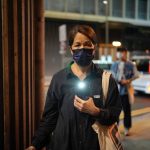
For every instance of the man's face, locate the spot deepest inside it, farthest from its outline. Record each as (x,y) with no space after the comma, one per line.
(118,55)
(122,55)
(81,41)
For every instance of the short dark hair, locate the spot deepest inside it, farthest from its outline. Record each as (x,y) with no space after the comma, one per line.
(84,29)
(122,49)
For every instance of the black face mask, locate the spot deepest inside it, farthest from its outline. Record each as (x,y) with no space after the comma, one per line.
(83,57)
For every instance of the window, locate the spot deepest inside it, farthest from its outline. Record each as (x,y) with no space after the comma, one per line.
(102,8)
(142,9)
(74,6)
(89,6)
(117,8)
(56,5)
(149,10)
(130,8)
(142,64)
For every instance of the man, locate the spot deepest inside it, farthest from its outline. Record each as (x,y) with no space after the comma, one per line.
(70,112)
(124,72)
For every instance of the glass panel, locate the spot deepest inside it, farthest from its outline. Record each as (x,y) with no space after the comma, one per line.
(149,10)
(74,6)
(55,5)
(102,8)
(117,8)
(130,8)
(46,4)
(89,6)
(142,65)
(142,9)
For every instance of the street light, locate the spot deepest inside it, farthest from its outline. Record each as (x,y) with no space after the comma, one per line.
(105,1)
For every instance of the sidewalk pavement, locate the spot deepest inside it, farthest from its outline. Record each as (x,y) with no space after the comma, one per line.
(139,138)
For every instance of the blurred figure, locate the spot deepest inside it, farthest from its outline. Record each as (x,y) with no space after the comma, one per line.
(71,110)
(124,71)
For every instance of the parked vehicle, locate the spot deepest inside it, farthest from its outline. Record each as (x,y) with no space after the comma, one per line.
(103,65)
(142,84)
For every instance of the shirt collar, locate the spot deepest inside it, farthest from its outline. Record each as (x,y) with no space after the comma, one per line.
(95,70)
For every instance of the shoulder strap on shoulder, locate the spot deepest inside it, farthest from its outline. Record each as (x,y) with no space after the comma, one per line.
(105,83)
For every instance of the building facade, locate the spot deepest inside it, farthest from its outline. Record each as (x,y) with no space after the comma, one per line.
(127,21)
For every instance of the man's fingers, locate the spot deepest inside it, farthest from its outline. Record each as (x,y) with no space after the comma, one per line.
(79,99)
(76,103)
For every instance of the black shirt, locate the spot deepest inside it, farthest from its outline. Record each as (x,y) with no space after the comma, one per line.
(69,128)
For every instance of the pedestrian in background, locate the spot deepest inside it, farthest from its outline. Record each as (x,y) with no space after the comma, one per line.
(124,71)
(67,117)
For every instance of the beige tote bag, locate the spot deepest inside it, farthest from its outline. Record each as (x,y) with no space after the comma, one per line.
(108,136)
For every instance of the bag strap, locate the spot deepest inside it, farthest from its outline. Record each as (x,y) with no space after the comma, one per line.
(105,84)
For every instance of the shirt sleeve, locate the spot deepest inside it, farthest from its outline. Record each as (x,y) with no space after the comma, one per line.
(135,72)
(111,111)
(49,117)
(114,70)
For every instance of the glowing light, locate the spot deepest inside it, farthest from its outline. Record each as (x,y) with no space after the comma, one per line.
(116,43)
(81,85)
(105,2)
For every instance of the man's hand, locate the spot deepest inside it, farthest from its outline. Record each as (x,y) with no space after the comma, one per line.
(31,148)
(87,106)
(124,82)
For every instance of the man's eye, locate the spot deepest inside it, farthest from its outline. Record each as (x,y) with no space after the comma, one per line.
(88,44)
(76,45)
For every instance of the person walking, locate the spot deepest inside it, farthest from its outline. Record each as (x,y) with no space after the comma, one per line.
(124,71)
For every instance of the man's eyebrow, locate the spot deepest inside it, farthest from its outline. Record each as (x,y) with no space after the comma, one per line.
(87,42)
(83,42)
(77,42)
